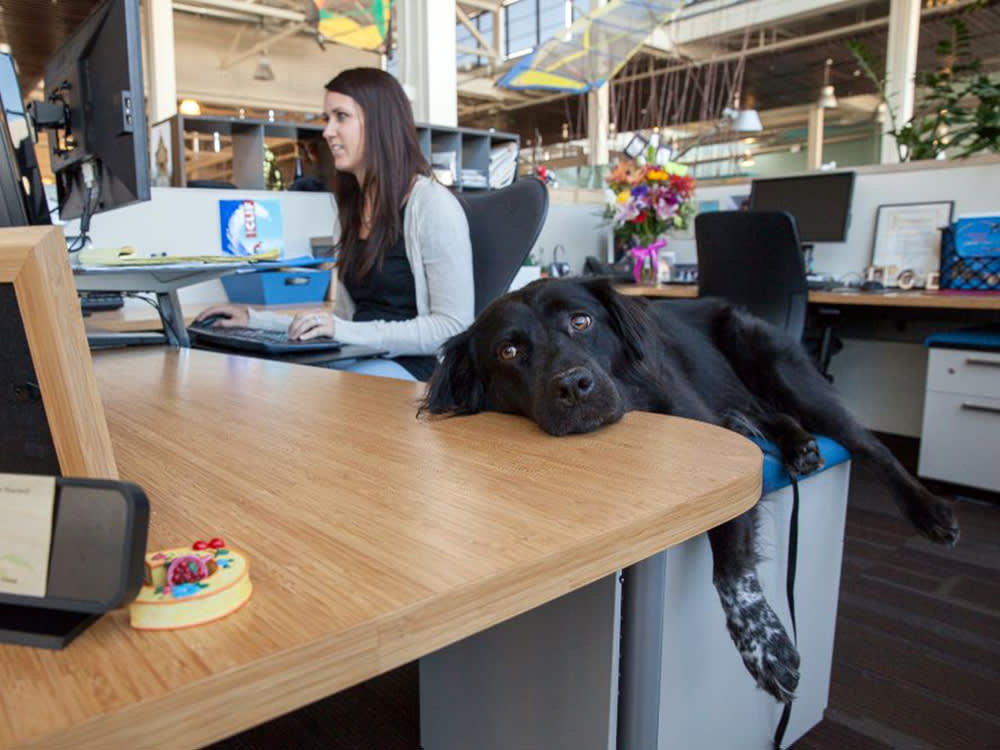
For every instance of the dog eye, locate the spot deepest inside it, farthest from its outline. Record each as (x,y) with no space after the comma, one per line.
(581,321)
(507,351)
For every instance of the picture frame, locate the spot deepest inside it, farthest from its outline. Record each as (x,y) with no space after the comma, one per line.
(50,406)
(907,237)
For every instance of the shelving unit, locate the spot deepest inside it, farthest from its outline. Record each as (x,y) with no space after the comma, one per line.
(232,149)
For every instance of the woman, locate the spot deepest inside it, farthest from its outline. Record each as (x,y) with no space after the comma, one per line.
(404,259)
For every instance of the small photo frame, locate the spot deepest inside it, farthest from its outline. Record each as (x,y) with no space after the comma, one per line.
(636,146)
(45,354)
(908,236)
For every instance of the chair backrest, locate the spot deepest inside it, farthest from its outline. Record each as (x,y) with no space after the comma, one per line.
(755,260)
(503,226)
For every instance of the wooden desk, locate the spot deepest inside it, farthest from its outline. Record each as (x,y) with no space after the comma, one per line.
(127,320)
(676,291)
(946,300)
(374,538)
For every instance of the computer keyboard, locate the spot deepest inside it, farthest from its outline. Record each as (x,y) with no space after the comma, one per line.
(258,340)
(821,285)
(100,301)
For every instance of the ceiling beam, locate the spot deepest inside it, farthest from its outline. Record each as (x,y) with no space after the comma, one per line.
(799,41)
(715,18)
(487,50)
(252,8)
(484,5)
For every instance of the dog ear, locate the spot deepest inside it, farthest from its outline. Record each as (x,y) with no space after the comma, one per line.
(628,316)
(455,386)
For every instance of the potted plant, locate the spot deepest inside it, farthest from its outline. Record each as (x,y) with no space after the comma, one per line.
(958,106)
(645,203)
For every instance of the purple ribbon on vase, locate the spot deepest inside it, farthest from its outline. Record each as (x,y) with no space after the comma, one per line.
(640,254)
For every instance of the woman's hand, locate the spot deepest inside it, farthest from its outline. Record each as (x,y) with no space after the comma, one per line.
(305,326)
(226,316)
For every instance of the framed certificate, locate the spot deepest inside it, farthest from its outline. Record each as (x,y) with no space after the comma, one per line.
(908,238)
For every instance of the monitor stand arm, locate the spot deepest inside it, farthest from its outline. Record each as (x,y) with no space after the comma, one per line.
(173,318)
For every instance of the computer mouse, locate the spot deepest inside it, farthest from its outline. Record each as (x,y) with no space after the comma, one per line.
(872,286)
(209,320)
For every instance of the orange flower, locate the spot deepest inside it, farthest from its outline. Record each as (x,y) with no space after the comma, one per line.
(621,173)
(638,176)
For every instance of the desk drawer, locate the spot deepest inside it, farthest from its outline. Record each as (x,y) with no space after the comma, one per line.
(964,371)
(960,440)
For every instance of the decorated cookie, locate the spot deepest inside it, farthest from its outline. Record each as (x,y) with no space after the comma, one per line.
(188,586)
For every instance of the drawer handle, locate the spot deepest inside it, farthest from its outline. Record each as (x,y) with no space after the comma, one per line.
(981,407)
(984,362)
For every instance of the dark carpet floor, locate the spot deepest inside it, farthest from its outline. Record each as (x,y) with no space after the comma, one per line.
(916,660)
(916,657)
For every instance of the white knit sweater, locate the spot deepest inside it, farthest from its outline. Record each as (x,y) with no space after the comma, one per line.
(436,235)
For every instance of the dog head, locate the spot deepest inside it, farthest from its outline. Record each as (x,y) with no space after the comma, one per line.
(558,351)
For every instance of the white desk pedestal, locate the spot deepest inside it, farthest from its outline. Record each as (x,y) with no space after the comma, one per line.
(548,680)
(683,682)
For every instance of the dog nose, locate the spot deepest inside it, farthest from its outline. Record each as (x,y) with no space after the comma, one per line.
(573,386)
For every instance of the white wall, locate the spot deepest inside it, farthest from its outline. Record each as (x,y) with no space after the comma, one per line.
(574,218)
(578,227)
(185,221)
(974,185)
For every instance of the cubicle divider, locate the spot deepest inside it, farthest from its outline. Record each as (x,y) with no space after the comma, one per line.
(186,222)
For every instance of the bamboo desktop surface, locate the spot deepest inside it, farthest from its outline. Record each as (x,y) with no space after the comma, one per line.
(373,537)
(942,300)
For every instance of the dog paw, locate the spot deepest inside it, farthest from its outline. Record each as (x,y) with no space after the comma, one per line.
(767,652)
(805,459)
(935,518)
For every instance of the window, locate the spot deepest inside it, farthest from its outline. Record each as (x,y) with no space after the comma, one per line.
(525,24)
(464,38)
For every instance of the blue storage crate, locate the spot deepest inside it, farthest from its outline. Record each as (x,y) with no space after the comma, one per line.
(277,287)
(970,254)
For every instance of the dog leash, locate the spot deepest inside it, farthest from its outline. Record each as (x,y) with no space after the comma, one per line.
(793,554)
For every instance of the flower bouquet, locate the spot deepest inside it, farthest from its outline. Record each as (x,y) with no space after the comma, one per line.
(646,202)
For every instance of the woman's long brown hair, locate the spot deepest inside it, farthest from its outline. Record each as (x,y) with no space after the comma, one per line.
(392,158)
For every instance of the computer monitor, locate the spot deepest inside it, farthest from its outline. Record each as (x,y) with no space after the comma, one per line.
(94,114)
(820,203)
(23,197)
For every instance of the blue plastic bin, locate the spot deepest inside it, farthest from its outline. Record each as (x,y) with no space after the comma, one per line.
(970,254)
(277,287)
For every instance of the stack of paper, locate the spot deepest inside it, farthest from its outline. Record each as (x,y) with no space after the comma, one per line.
(473,178)
(503,164)
(444,164)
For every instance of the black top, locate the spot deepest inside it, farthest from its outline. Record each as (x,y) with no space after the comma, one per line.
(390,294)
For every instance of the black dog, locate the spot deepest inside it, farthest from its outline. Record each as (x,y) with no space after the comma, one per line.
(574,355)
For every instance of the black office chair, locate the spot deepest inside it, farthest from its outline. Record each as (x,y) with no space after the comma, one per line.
(503,225)
(754,259)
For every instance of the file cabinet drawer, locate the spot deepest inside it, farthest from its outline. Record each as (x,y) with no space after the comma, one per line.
(960,440)
(976,373)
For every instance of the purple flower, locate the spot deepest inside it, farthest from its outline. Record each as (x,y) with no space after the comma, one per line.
(626,212)
(665,207)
